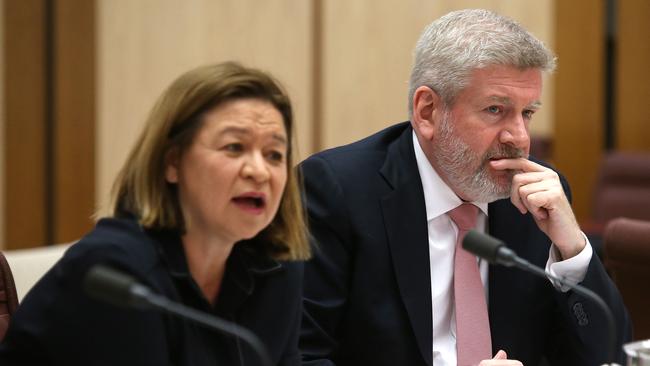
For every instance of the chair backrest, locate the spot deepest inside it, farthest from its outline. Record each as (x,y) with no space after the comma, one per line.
(29,265)
(8,296)
(627,258)
(623,187)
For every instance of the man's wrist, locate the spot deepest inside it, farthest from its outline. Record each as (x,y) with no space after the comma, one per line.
(572,269)
(570,252)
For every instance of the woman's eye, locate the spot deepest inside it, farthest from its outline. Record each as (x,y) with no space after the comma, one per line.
(235,147)
(276,156)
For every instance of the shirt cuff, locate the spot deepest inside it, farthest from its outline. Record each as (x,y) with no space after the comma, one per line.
(572,270)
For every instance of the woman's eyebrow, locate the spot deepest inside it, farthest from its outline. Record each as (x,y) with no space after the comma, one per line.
(247,131)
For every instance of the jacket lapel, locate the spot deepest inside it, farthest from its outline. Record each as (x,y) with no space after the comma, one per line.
(406,227)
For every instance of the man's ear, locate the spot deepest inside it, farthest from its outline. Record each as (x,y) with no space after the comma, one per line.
(172,163)
(426,105)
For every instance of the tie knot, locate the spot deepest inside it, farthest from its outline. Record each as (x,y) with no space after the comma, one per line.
(464,216)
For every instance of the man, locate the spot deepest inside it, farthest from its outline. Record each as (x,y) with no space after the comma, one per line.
(386,286)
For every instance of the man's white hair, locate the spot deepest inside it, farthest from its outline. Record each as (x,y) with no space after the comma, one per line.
(459,42)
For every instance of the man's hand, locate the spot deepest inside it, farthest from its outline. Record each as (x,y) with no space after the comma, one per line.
(537,189)
(500,359)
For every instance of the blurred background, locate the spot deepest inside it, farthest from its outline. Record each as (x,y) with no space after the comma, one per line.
(79,77)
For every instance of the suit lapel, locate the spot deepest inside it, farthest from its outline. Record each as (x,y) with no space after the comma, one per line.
(406,227)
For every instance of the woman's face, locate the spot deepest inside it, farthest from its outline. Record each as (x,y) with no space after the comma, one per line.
(232,177)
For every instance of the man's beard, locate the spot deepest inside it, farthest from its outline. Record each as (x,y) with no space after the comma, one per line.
(466,171)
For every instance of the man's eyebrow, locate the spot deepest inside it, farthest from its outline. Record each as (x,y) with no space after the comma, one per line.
(507,101)
(535,105)
(502,100)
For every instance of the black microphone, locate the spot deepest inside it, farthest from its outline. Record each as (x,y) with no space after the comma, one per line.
(496,252)
(117,288)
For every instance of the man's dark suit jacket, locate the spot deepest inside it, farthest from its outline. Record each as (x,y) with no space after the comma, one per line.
(367,291)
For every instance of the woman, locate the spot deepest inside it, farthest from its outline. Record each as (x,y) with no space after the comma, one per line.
(206,211)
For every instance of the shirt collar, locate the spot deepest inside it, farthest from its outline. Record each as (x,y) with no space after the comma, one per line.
(245,262)
(438,197)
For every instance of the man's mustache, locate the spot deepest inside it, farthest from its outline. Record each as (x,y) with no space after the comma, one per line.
(505,152)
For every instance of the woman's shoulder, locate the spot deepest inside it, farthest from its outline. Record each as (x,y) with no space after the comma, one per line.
(120,242)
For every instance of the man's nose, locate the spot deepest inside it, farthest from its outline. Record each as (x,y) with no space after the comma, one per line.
(516,133)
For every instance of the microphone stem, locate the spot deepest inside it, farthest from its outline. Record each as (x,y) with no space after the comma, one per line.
(162,303)
(585,292)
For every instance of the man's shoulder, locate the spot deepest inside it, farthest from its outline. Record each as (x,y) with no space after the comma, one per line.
(371,146)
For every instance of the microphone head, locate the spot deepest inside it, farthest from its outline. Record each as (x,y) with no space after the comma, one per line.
(482,245)
(109,285)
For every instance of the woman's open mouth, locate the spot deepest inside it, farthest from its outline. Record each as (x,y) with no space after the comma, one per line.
(251,202)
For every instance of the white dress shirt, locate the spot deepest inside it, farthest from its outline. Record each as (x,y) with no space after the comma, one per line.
(439,199)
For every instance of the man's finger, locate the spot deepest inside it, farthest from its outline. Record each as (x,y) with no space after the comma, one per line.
(517,164)
(534,187)
(522,180)
(539,212)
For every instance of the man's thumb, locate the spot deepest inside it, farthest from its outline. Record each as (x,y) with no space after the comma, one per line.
(501,355)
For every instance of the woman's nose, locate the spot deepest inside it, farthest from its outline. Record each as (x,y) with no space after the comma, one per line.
(255,167)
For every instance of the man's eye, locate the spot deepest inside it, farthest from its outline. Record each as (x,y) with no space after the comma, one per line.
(528,114)
(493,109)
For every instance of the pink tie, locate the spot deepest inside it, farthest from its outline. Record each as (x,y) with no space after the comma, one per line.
(473,342)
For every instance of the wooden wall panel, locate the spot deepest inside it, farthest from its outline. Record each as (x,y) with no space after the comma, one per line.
(633,79)
(367,57)
(143,45)
(73,130)
(24,144)
(346,65)
(579,110)
(49,140)
(367,46)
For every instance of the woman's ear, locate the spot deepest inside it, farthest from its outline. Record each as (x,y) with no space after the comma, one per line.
(172,162)
(426,104)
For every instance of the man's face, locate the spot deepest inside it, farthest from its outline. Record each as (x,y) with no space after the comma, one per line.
(489,120)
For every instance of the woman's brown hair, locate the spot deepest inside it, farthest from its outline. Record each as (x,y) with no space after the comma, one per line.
(141,189)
